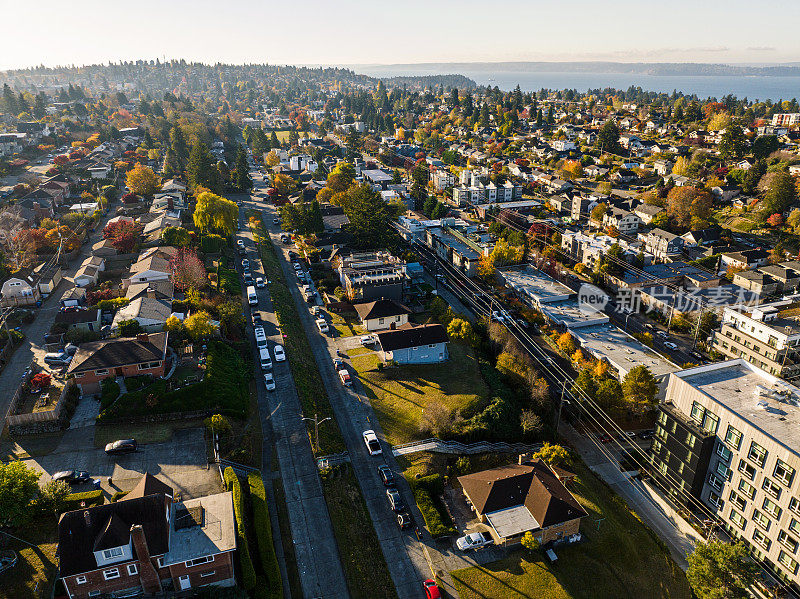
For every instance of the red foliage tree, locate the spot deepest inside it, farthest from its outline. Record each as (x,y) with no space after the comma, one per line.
(123,235)
(40,381)
(188,270)
(61,160)
(776,220)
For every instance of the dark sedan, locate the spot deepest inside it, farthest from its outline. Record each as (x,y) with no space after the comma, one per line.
(122,446)
(73,477)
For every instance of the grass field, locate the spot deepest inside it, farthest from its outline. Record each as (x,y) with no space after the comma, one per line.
(399,395)
(295,587)
(622,559)
(362,558)
(346,324)
(34,574)
(151,432)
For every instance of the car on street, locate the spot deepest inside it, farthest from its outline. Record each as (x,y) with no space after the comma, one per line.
(662,334)
(395,500)
(260,284)
(246,265)
(372,443)
(404,520)
(627,435)
(344,376)
(649,326)
(697,355)
(276,221)
(57,359)
(386,474)
(647,434)
(121,446)
(322,325)
(298,266)
(285,239)
(670,345)
(247,278)
(431,590)
(337,363)
(269,381)
(604,438)
(280,355)
(72,477)
(257,318)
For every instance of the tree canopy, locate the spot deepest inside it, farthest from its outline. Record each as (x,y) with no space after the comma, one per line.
(215,214)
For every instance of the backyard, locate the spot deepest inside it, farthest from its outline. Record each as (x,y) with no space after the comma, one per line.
(35,571)
(399,395)
(625,559)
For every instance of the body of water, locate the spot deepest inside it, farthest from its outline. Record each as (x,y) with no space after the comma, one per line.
(761,88)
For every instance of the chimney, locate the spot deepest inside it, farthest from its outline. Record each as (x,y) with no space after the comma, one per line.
(151,293)
(142,337)
(147,571)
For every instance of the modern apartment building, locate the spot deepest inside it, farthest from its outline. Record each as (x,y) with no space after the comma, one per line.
(728,435)
(767,336)
(369,276)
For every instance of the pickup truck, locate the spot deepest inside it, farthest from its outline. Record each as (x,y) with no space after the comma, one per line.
(474,540)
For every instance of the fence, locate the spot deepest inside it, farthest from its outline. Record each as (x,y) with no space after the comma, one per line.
(456,447)
(35,417)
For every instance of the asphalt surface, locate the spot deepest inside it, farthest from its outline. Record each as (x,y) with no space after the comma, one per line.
(316,552)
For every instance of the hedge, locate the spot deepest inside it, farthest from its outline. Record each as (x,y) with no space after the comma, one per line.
(426,492)
(113,304)
(118,495)
(109,391)
(263,527)
(248,573)
(73,501)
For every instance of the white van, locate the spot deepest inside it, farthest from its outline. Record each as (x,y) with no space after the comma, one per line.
(261,338)
(265,359)
(252,296)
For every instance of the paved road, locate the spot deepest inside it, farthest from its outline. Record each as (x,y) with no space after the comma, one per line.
(315,546)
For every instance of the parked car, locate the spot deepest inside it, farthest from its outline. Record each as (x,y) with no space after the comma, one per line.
(474,540)
(367,340)
(627,435)
(604,438)
(247,278)
(344,376)
(431,590)
(386,474)
(670,345)
(372,443)
(395,500)
(269,381)
(322,325)
(280,355)
(647,434)
(257,318)
(73,477)
(698,355)
(57,359)
(260,284)
(121,446)
(404,520)
(662,334)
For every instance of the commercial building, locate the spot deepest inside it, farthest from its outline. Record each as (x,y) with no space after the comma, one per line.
(728,435)
(370,276)
(767,336)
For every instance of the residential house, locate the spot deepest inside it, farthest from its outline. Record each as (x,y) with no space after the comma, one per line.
(526,497)
(624,221)
(89,271)
(662,243)
(47,275)
(757,282)
(146,543)
(150,267)
(20,289)
(410,344)
(164,290)
(561,204)
(787,274)
(82,320)
(647,212)
(582,207)
(104,249)
(110,358)
(663,167)
(456,248)
(149,312)
(333,218)
(745,259)
(382,314)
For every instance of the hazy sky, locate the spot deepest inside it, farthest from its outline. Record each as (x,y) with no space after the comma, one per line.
(53,32)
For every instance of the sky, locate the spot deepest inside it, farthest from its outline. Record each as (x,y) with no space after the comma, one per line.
(346,32)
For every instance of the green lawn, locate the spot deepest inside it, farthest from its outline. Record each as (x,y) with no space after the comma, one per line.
(34,574)
(623,559)
(364,566)
(346,324)
(399,395)
(151,432)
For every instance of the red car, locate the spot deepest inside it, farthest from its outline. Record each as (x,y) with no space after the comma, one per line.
(431,590)
(604,437)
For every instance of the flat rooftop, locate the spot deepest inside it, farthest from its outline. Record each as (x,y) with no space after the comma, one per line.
(570,314)
(216,532)
(531,281)
(621,350)
(691,300)
(768,403)
(512,521)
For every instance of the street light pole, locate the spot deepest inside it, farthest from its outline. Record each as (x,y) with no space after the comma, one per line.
(316,422)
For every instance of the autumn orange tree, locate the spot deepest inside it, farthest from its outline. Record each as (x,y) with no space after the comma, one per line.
(689,208)
(142,180)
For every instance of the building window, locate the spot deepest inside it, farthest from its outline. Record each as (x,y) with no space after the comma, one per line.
(772,508)
(101,371)
(724,452)
(112,553)
(723,470)
(771,487)
(697,412)
(794,505)
(757,454)
(737,500)
(794,526)
(207,574)
(199,560)
(737,519)
(747,469)
(80,580)
(714,482)
(761,520)
(787,562)
(690,440)
(111,573)
(746,488)
(713,499)
(733,437)
(787,541)
(133,569)
(160,562)
(784,473)
(662,417)
(710,422)
(761,539)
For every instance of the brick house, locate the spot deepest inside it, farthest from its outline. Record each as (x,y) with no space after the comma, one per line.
(133,356)
(518,498)
(147,543)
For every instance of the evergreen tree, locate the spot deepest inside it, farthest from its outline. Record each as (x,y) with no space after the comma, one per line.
(178,146)
(243,181)
(316,223)
(201,168)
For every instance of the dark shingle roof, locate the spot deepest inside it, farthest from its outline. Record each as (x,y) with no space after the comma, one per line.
(79,316)
(83,531)
(532,484)
(380,309)
(412,336)
(119,352)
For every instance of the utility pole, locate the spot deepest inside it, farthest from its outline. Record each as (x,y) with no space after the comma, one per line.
(561,403)
(316,422)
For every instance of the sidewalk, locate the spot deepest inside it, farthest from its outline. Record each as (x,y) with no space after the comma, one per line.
(644,500)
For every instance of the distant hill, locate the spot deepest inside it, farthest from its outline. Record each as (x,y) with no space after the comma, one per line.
(644,68)
(428,81)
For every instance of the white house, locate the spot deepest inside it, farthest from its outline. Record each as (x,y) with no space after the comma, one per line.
(150,313)
(89,271)
(624,221)
(409,344)
(382,314)
(20,289)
